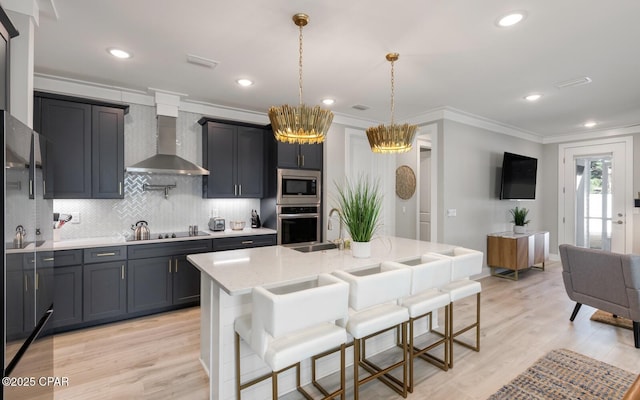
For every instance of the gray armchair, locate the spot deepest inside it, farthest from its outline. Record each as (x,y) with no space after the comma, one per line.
(604,280)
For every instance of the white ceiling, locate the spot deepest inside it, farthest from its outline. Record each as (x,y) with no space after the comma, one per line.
(451,55)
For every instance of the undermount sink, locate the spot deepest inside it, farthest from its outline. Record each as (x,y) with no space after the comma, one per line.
(315,247)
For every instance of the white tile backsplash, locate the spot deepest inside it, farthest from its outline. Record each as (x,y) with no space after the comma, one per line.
(184,205)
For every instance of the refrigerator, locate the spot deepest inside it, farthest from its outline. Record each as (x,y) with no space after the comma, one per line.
(28,265)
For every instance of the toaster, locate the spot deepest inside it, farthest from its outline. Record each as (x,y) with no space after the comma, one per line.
(216,224)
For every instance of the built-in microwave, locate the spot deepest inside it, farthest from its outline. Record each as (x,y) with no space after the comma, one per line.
(299,186)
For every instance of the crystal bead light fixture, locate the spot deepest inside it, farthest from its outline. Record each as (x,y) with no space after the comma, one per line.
(302,124)
(392,138)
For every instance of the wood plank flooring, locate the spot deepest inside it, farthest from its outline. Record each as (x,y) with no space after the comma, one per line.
(157,357)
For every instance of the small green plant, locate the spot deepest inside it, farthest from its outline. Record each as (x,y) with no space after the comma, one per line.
(519,216)
(360,204)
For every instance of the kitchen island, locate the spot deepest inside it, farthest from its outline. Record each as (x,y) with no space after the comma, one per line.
(226,282)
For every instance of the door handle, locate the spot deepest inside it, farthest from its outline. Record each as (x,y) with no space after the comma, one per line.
(176,263)
(169,265)
(619,214)
(122,271)
(619,222)
(240,190)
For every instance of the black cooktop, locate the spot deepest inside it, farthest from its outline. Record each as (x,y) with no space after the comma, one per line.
(170,235)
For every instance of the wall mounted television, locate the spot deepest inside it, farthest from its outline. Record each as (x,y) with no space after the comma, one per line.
(518,177)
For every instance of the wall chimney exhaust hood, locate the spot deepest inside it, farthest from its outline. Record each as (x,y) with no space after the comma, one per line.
(166,161)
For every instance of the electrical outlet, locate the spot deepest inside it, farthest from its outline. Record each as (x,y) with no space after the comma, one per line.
(452,212)
(75,217)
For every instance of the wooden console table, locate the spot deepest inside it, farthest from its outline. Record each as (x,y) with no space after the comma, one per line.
(516,252)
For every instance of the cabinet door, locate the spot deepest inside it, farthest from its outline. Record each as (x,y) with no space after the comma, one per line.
(15,292)
(288,155)
(186,281)
(107,153)
(68,126)
(250,156)
(311,156)
(149,284)
(67,298)
(219,158)
(104,290)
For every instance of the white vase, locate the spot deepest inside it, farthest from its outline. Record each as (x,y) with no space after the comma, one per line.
(361,249)
(519,229)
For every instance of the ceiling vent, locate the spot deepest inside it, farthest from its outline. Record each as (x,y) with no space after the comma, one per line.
(573,82)
(203,62)
(360,107)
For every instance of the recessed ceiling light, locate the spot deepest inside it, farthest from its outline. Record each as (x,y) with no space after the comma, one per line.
(511,19)
(328,102)
(590,124)
(533,97)
(244,82)
(119,53)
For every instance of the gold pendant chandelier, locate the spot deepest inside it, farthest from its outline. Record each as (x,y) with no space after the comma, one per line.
(302,124)
(391,138)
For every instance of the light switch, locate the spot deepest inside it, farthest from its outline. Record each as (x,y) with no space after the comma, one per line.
(451,212)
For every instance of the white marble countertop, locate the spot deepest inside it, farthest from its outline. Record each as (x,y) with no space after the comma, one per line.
(120,240)
(238,271)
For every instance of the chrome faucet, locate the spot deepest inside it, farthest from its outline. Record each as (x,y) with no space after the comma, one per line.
(330,226)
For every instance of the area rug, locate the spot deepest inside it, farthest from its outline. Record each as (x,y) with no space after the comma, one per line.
(607,318)
(564,374)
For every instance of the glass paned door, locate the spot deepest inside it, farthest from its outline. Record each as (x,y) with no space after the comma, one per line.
(593,202)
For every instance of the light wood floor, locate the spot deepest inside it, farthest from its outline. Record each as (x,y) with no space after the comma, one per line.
(157,357)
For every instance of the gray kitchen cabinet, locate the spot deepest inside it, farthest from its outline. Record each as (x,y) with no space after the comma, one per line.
(14,293)
(234,152)
(149,285)
(85,147)
(244,242)
(303,156)
(160,275)
(107,153)
(104,290)
(67,296)
(186,281)
(67,284)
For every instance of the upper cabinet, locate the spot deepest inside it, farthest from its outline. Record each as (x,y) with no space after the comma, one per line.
(303,156)
(234,155)
(85,147)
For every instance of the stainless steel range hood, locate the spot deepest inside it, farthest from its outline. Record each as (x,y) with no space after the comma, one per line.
(166,161)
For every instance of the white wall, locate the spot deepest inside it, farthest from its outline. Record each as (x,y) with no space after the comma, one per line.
(469,167)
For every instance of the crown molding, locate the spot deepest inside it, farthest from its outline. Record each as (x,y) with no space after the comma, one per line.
(627,130)
(453,114)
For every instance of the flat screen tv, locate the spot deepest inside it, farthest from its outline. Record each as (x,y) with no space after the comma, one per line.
(518,177)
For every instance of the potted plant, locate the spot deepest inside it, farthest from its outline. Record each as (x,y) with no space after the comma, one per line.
(360,204)
(519,219)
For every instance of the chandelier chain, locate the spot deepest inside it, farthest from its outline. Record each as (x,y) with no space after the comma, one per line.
(300,66)
(392,90)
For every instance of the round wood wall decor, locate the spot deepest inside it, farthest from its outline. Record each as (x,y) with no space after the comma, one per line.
(405,182)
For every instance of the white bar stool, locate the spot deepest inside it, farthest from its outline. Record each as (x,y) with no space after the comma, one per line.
(373,296)
(464,263)
(429,273)
(291,323)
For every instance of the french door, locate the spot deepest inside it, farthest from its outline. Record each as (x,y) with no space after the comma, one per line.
(596,200)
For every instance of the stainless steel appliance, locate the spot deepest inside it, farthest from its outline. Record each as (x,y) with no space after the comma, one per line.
(216,224)
(298,186)
(298,223)
(28,284)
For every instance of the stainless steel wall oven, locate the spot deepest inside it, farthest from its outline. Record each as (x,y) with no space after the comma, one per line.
(298,223)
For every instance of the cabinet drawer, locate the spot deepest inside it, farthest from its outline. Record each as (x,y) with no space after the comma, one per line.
(169,249)
(64,258)
(103,254)
(243,242)
(44,259)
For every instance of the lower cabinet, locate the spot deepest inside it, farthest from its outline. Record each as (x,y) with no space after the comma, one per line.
(149,284)
(67,296)
(186,281)
(105,290)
